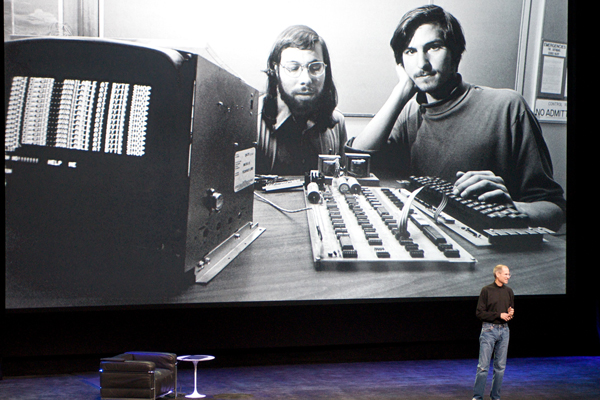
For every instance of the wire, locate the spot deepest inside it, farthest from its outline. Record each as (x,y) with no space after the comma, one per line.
(439,208)
(403,221)
(264,200)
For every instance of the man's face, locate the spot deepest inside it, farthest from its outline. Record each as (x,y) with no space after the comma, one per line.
(428,61)
(503,276)
(300,93)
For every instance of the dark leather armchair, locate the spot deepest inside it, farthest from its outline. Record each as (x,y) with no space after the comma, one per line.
(138,375)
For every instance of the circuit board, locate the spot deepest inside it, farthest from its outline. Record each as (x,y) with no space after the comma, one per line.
(376,228)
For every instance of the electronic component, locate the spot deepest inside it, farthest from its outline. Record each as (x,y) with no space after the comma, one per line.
(358,165)
(312,192)
(283,185)
(355,187)
(342,184)
(363,231)
(136,163)
(329,165)
(349,177)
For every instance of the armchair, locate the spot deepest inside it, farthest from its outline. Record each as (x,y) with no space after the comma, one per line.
(138,375)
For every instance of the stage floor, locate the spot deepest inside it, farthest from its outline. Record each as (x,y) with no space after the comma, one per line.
(525,378)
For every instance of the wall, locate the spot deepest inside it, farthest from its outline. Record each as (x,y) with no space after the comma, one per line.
(555,29)
(357,33)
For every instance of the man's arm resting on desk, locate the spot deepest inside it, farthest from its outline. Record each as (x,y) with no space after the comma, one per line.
(542,213)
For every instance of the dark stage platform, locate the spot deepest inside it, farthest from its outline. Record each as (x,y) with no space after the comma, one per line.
(526,378)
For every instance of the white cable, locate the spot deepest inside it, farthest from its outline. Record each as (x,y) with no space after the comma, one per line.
(403,222)
(438,209)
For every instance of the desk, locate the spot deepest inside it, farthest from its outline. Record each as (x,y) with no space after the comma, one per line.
(278,266)
(195,360)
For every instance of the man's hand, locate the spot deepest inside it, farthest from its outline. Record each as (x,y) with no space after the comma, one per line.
(405,83)
(486,186)
(509,315)
(483,185)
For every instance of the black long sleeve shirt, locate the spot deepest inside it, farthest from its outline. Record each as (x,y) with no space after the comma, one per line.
(494,300)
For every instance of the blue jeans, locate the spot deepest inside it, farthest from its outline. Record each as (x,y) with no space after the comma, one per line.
(493,339)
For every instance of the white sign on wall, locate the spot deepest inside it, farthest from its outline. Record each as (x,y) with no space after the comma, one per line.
(551,104)
(551,110)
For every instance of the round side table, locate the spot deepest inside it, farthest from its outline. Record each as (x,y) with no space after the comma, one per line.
(195,360)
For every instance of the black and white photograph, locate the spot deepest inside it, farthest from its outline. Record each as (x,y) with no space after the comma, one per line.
(297,180)
(186,129)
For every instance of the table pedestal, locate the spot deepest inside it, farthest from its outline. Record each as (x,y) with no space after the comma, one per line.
(195,360)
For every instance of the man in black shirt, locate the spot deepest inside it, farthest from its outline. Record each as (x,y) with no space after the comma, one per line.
(494,308)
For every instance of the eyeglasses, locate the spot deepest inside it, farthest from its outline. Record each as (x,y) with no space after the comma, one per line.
(315,68)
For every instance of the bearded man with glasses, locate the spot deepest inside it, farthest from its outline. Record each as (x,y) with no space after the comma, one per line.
(298,119)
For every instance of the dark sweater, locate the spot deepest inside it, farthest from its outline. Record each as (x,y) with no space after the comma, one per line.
(474,129)
(494,300)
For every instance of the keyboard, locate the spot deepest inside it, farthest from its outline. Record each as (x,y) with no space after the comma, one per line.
(502,223)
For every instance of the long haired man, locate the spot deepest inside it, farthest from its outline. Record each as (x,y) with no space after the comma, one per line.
(298,118)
